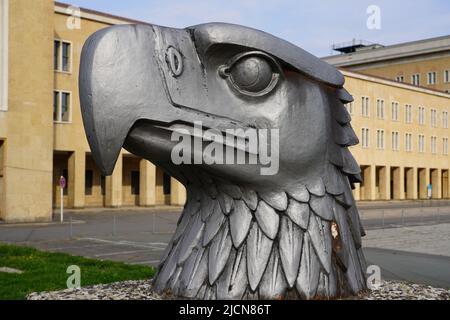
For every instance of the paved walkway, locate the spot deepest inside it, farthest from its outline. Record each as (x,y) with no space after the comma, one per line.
(432,270)
(429,239)
(419,254)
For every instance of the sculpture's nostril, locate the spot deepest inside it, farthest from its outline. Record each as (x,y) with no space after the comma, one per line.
(174,61)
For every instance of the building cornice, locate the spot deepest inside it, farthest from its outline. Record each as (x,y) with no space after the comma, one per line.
(398,51)
(93,15)
(392,83)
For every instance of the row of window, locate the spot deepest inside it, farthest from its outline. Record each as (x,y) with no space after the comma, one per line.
(431,78)
(395,111)
(395,141)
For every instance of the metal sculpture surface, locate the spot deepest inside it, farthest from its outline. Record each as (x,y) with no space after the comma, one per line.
(242,235)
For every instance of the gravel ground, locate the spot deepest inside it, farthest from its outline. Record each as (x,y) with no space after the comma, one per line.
(393,290)
(127,290)
(142,290)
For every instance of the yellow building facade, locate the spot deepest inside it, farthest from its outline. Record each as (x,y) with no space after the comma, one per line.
(403,132)
(135,181)
(41,131)
(26,135)
(42,136)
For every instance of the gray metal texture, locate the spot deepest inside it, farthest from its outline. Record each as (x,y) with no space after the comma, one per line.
(293,235)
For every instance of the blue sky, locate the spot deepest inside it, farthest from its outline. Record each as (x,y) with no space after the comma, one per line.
(312,25)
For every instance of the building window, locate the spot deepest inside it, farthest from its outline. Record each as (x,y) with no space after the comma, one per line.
(433,118)
(447,76)
(380,139)
(62,56)
(408,142)
(433,145)
(365,137)
(421,143)
(421,115)
(380,108)
(445,119)
(431,78)
(394,111)
(349,107)
(365,107)
(56,50)
(445,146)
(415,79)
(408,113)
(400,79)
(135,181)
(88,182)
(62,105)
(395,141)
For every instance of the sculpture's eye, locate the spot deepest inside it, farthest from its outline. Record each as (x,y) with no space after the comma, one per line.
(252,73)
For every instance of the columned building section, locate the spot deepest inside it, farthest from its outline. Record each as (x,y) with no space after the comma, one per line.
(147,195)
(396,183)
(383,182)
(410,183)
(113,197)
(177,194)
(402,183)
(422,182)
(445,184)
(94,184)
(76,179)
(135,182)
(130,181)
(436,186)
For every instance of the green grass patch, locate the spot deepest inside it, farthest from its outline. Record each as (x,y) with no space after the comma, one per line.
(46,271)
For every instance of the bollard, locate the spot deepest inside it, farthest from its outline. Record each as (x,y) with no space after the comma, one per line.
(114,226)
(382,212)
(403,217)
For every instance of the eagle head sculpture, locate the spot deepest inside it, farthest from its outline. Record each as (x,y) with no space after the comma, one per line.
(294,234)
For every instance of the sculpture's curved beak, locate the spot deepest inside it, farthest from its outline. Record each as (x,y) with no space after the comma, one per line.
(118,79)
(134,72)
